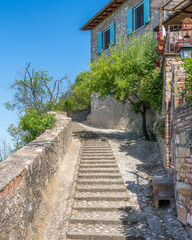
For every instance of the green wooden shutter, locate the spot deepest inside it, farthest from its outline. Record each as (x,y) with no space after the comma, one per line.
(146,11)
(130,21)
(99,42)
(112,34)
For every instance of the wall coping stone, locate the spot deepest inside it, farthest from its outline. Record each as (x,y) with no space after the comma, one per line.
(20,161)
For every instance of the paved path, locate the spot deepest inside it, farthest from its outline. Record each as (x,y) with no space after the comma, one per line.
(101,207)
(105,207)
(105,192)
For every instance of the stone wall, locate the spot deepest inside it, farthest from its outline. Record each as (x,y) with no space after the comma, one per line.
(25,176)
(174,76)
(79,116)
(108,113)
(183,162)
(178,145)
(119,16)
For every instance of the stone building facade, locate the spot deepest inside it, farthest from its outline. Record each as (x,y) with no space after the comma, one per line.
(122,21)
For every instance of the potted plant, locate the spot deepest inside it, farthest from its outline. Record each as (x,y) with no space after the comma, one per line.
(161,43)
(179,44)
(187,24)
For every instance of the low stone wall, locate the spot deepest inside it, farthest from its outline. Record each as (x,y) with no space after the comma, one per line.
(108,113)
(79,116)
(182,155)
(25,176)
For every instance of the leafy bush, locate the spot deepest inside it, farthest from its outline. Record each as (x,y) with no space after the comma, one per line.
(187,91)
(159,127)
(129,74)
(34,123)
(78,97)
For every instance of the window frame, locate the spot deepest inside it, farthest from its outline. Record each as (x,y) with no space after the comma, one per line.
(101,37)
(103,34)
(134,15)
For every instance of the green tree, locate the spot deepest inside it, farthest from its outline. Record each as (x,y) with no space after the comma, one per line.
(78,97)
(35,93)
(35,90)
(128,73)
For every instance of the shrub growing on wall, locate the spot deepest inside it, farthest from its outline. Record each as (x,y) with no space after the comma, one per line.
(129,74)
(33,123)
(187,91)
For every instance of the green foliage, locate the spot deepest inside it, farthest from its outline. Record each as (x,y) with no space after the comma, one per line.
(17,136)
(35,89)
(33,123)
(129,72)
(159,127)
(35,93)
(79,95)
(187,91)
(151,90)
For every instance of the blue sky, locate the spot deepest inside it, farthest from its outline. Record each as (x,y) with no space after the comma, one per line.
(45,33)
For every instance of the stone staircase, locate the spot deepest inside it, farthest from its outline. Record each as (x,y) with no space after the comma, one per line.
(101,208)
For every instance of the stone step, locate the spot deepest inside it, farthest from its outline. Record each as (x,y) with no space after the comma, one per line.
(98,175)
(96,148)
(98,170)
(96,151)
(100,188)
(106,218)
(96,155)
(95,140)
(102,206)
(97,158)
(107,196)
(96,145)
(103,232)
(103,165)
(98,162)
(102,181)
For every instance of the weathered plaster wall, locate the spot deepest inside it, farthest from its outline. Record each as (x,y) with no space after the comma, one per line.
(25,176)
(109,113)
(119,16)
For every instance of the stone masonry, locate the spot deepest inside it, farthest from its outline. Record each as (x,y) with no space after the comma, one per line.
(25,177)
(119,16)
(178,145)
(183,163)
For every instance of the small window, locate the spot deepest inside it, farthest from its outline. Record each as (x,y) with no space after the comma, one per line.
(139,16)
(106,38)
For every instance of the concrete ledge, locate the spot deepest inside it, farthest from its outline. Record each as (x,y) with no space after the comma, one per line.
(25,176)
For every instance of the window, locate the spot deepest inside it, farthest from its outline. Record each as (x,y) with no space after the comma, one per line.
(138,16)
(106,38)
